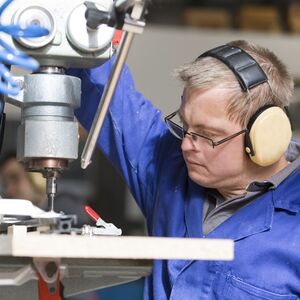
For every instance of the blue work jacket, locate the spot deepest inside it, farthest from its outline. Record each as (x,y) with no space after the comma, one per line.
(266,232)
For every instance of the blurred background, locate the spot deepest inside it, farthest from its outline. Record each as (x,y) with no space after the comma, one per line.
(177,32)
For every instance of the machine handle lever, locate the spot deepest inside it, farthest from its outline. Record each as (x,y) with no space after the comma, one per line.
(96,17)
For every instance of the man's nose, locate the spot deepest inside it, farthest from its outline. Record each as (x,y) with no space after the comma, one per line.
(187,143)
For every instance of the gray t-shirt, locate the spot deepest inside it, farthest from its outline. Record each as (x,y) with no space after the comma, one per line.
(216,210)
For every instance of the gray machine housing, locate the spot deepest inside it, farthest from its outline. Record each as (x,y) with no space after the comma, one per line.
(70,43)
(48,128)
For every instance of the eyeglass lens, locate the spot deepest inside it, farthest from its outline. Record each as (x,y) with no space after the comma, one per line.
(176,130)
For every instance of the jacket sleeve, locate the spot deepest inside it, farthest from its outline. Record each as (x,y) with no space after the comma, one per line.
(132,134)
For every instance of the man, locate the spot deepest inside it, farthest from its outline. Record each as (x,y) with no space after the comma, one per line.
(225,174)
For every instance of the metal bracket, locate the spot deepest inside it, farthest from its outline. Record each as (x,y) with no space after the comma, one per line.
(49,273)
(18,277)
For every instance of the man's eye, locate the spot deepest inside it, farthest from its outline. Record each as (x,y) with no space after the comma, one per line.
(214,136)
(211,135)
(208,134)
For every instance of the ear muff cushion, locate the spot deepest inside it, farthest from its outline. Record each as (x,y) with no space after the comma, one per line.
(270,135)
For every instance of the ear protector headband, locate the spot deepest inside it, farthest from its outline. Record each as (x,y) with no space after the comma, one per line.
(269,129)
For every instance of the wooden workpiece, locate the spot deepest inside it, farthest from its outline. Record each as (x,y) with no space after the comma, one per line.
(124,247)
(92,262)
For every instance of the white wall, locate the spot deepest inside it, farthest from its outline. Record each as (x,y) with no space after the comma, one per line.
(161,49)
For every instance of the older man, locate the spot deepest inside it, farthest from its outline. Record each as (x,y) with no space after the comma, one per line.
(217,168)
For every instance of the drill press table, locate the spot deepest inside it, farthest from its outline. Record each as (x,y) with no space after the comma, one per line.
(90,262)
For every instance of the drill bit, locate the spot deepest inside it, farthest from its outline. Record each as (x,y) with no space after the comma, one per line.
(51,191)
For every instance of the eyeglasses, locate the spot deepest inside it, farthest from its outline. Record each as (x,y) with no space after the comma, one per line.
(180,133)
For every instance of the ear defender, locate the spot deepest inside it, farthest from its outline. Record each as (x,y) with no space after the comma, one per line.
(269,130)
(268,136)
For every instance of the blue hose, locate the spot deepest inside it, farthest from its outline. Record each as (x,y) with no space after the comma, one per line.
(10,56)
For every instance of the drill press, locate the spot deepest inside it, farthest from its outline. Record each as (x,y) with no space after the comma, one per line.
(48,133)
(80,36)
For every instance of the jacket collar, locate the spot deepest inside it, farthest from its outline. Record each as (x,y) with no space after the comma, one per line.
(253,218)
(194,209)
(242,224)
(287,194)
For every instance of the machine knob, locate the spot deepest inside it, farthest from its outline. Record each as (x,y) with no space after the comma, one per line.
(86,39)
(39,16)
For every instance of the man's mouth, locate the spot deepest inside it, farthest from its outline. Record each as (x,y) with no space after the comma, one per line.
(192,162)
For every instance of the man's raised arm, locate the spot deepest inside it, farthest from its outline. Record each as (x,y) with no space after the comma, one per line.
(132,133)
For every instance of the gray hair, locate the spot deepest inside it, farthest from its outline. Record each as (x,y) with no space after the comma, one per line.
(208,72)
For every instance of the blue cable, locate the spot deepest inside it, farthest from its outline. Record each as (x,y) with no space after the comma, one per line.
(11,56)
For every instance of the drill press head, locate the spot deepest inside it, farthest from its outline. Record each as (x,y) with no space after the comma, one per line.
(48,133)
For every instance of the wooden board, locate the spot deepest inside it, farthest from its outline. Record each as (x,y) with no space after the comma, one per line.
(124,247)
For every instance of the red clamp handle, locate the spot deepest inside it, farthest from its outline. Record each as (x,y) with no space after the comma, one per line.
(45,294)
(91,213)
